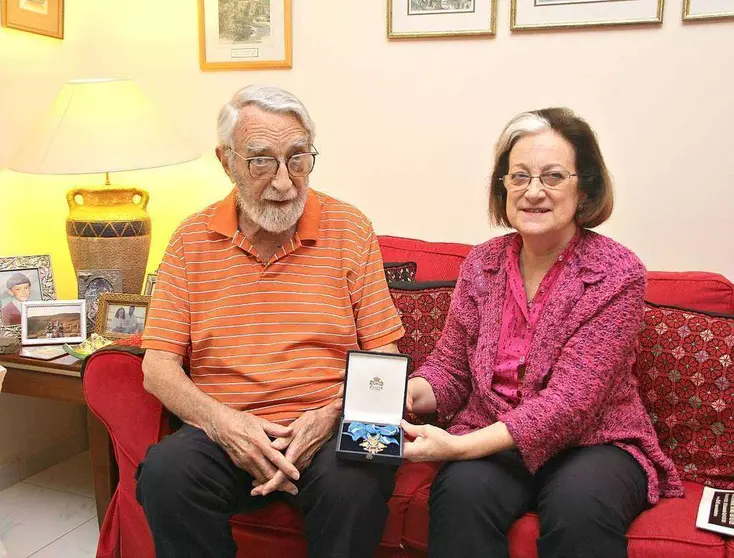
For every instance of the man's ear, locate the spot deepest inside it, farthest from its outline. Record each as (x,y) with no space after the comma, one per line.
(224,160)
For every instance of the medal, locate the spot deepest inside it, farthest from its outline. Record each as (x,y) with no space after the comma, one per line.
(374,438)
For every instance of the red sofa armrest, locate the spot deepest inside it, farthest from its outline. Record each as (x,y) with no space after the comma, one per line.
(113,388)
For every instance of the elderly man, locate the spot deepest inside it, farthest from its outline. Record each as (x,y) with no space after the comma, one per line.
(269,287)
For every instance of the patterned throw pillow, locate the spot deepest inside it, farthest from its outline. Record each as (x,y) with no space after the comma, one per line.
(422,308)
(400,271)
(686,372)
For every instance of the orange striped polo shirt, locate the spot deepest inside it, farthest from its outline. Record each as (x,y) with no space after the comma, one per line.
(271,338)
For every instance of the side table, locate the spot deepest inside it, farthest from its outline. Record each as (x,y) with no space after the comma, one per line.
(60,379)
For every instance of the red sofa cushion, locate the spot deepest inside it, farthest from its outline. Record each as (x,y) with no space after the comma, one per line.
(400,271)
(707,292)
(422,308)
(685,366)
(665,531)
(437,261)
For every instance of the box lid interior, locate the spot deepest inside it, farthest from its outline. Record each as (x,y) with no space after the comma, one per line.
(375,387)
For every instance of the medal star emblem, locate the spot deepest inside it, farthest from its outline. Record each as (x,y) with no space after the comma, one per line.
(372,444)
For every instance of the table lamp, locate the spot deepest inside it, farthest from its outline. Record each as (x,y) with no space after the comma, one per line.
(104,126)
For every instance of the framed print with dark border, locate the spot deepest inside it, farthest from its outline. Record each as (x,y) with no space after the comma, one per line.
(418,19)
(529,15)
(22,278)
(50,322)
(121,315)
(245,34)
(700,10)
(43,17)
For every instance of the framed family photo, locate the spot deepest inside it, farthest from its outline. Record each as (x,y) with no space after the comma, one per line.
(528,15)
(121,315)
(44,17)
(22,278)
(50,322)
(417,19)
(700,10)
(245,34)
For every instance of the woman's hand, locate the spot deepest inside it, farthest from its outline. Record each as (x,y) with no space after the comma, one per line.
(420,399)
(430,443)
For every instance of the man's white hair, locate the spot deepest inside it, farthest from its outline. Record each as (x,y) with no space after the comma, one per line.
(524,124)
(266,97)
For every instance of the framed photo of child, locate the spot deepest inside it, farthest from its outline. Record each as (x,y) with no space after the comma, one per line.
(121,315)
(22,279)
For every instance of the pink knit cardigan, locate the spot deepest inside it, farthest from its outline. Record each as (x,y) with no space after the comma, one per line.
(579,389)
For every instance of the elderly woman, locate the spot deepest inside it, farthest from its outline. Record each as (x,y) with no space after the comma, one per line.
(533,371)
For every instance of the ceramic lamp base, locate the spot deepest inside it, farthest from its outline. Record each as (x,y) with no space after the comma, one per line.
(109,228)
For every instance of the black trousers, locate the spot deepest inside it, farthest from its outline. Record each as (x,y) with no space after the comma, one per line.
(585,499)
(189,488)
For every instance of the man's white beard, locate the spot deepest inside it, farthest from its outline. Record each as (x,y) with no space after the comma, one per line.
(268,217)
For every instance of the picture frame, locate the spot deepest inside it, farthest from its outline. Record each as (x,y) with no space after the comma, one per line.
(91,283)
(150,282)
(533,15)
(113,317)
(50,322)
(708,10)
(425,19)
(37,270)
(43,17)
(254,36)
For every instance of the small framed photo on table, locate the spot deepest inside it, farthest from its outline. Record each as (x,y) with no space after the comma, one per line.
(121,315)
(52,322)
(22,278)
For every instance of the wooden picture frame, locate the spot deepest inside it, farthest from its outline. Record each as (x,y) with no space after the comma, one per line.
(425,19)
(256,38)
(37,270)
(113,317)
(43,17)
(49,322)
(534,15)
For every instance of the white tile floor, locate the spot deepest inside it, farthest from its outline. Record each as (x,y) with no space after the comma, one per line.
(52,514)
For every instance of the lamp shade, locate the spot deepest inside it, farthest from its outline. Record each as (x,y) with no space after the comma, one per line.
(98,126)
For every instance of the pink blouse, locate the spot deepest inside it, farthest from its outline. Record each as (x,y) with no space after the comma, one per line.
(518,321)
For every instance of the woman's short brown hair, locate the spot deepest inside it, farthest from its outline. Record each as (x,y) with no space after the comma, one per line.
(595,185)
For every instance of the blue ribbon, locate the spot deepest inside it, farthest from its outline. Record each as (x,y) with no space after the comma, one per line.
(360,431)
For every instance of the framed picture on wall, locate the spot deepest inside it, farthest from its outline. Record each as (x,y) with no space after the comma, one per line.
(698,10)
(22,279)
(44,17)
(418,19)
(245,34)
(528,15)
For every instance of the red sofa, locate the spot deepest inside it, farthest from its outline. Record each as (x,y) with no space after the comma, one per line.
(135,419)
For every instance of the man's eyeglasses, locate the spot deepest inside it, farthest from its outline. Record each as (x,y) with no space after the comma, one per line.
(263,166)
(553,180)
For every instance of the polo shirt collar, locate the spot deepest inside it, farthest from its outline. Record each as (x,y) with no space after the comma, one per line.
(224,218)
